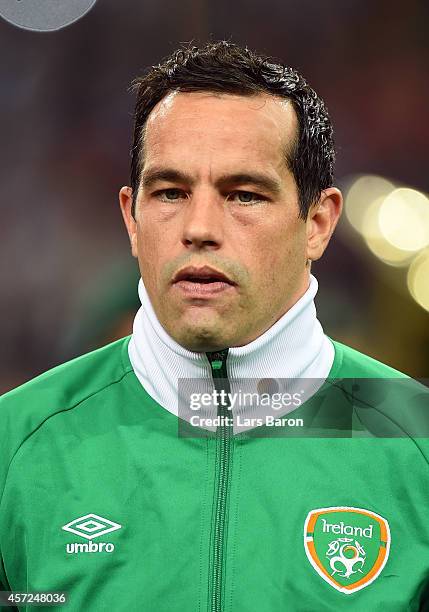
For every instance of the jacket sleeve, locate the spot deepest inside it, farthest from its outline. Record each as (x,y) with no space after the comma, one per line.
(8,442)
(5,587)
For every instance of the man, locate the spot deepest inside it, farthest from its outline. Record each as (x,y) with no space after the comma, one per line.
(104,498)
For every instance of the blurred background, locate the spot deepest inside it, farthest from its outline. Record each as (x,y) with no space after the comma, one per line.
(67,279)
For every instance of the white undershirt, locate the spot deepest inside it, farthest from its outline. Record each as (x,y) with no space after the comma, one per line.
(295,347)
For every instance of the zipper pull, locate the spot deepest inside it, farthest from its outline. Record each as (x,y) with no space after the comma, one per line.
(217,360)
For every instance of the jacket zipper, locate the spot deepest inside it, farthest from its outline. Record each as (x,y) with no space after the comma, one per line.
(224,449)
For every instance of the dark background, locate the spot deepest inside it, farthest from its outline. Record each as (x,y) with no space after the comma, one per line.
(67,279)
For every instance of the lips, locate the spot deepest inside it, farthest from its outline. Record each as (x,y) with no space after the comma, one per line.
(203,275)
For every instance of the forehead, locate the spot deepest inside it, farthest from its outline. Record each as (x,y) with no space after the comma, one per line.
(260,126)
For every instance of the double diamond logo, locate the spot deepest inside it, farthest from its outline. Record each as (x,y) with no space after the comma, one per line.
(91,526)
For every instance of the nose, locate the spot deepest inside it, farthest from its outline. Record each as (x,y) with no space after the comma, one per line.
(203,222)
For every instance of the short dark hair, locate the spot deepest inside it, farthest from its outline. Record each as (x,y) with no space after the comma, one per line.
(227,68)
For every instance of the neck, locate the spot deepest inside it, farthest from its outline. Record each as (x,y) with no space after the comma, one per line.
(294,347)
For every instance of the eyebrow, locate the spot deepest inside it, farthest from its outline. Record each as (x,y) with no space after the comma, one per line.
(164,174)
(262,181)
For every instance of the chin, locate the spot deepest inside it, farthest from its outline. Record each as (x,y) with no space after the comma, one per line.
(201,339)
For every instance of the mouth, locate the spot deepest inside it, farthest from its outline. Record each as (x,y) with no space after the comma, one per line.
(202,282)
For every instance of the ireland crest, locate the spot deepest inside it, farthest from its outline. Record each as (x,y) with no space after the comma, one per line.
(348,547)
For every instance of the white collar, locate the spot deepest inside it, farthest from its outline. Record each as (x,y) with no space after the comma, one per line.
(295,347)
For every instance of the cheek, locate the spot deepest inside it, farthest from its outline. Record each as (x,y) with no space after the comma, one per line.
(280,257)
(150,240)
(149,245)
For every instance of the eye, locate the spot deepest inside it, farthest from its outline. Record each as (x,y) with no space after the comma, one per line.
(247,197)
(170,195)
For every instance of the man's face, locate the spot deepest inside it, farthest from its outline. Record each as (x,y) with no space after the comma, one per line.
(216,192)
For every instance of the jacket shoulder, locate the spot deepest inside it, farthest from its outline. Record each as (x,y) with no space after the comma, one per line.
(71,381)
(387,402)
(24,409)
(354,364)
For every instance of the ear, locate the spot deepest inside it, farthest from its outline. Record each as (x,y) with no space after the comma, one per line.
(321,221)
(126,202)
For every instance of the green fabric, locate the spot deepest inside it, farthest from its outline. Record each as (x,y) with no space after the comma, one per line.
(85,438)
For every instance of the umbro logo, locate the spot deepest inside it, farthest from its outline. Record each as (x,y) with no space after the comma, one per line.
(89,527)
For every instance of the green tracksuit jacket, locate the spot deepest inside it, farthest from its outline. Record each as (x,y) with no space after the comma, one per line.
(100,498)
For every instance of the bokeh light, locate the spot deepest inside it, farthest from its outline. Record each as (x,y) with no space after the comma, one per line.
(363,192)
(417,279)
(404,219)
(376,241)
(394,224)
